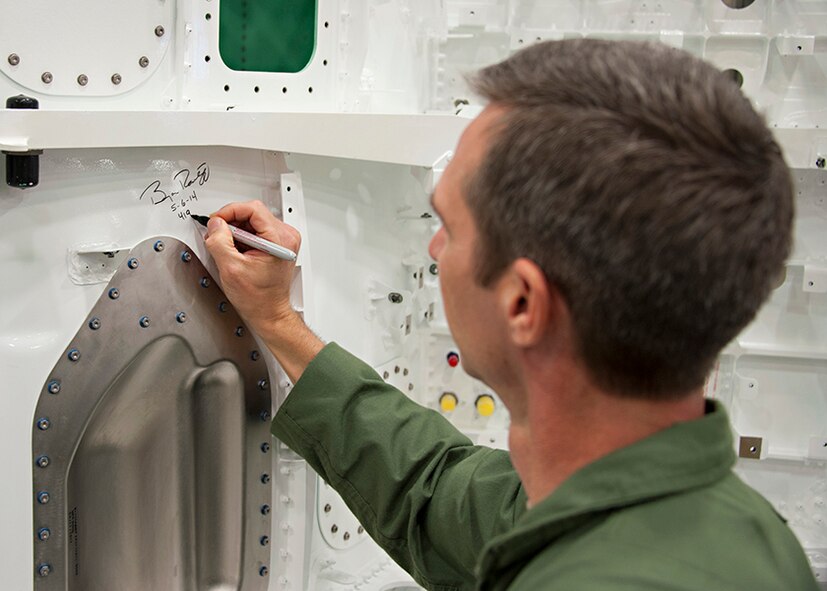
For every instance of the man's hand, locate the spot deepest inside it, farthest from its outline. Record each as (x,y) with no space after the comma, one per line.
(258,284)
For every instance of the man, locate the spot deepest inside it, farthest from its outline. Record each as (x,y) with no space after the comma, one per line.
(612,219)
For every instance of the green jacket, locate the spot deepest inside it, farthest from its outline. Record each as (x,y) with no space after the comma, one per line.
(665,513)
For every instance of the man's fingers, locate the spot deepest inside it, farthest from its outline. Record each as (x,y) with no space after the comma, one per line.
(254,213)
(220,242)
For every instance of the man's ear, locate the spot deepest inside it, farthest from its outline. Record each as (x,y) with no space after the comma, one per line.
(526,298)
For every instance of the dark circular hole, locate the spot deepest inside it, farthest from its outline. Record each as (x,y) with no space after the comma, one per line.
(289,188)
(324,63)
(735,76)
(310,90)
(226,88)
(737,4)
(208,16)
(284,89)
(206,58)
(289,210)
(326,24)
(256,89)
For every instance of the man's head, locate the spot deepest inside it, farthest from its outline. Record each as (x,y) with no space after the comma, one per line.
(646,189)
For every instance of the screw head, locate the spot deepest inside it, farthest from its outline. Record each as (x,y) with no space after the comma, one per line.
(222,307)
(265,478)
(205,282)
(239,332)
(395,298)
(132,263)
(433,269)
(43,497)
(158,246)
(14,59)
(255,355)
(265,415)
(42,461)
(263,384)
(44,534)
(346,536)
(181,317)
(159,31)
(116,79)
(83,80)
(334,529)
(821,162)
(264,540)
(360,530)
(265,509)
(73,355)
(47,77)
(265,447)
(144,321)
(186,256)
(43,424)
(114,293)
(264,571)
(95,323)
(327,508)
(53,387)
(143,61)
(44,570)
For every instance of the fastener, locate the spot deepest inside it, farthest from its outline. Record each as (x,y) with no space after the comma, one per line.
(821,162)
(144,321)
(255,355)
(44,534)
(116,79)
(159,31)
(143,61)
(222,307)
(263,571)
(263,384)
(114,293)
(186,256)
(83,80)
(395,298)
(158,246)
(53,387)
(265,447)
(265,509)
(95,323)
(43,497)
(47,77)
(265,478)
(239,332)
(264,540)
(132,263)
(14,59)
(205,282)
(181,317)
(43,424)
(42,461)
(434,270)
(44,570)
(73,355)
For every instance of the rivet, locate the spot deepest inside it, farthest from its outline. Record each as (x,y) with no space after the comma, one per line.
(346,536)
(43,424)
(265,478)
(410,387)
(44,570)
(143,62)
(14,59)
(116,79)
(334,529)
(222,307)
(42,461)
(265,509)
(159,31)
(395,298)
(265,415)
(205,282)
(360,530)
(327,508)
(83,80)
(386,375)
(114,294)
(264,540)
(181,317)
(47,77)
(263,383)
(144,321)
(95,323)
(263,571)
(158,246)
(44,534)
(43,497)
(239,332)
(265,447)
(255,355)
(53,387)
(73,355)
(132,263)
(821,162)
(186,256)
(433,269)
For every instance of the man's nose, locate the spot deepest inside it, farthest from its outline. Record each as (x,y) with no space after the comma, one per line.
(435,247)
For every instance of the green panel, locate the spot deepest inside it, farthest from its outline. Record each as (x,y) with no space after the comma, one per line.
(267,35)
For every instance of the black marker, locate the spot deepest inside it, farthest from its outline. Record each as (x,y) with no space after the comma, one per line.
(252,240)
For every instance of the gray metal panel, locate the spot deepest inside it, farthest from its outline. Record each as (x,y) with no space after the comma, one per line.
(153,460)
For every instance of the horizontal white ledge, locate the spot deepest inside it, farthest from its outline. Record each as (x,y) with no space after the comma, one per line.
(416,140)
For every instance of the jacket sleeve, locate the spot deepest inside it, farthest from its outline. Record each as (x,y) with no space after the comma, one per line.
(420,488)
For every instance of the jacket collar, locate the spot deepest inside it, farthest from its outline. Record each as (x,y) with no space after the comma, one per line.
(684,456)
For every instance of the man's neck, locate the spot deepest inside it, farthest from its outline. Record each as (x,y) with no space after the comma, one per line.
(570,423)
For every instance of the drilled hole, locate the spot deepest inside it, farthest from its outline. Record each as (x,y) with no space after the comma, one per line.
(326,24)
(208,16)
(284,90)
(735,76)
(226,88)
(206,58)
(310,90)
(256,89)
(324,63)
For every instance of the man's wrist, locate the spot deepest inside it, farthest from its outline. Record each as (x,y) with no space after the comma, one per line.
(291,341)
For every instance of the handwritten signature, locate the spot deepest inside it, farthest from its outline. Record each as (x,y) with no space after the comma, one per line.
(184,179)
